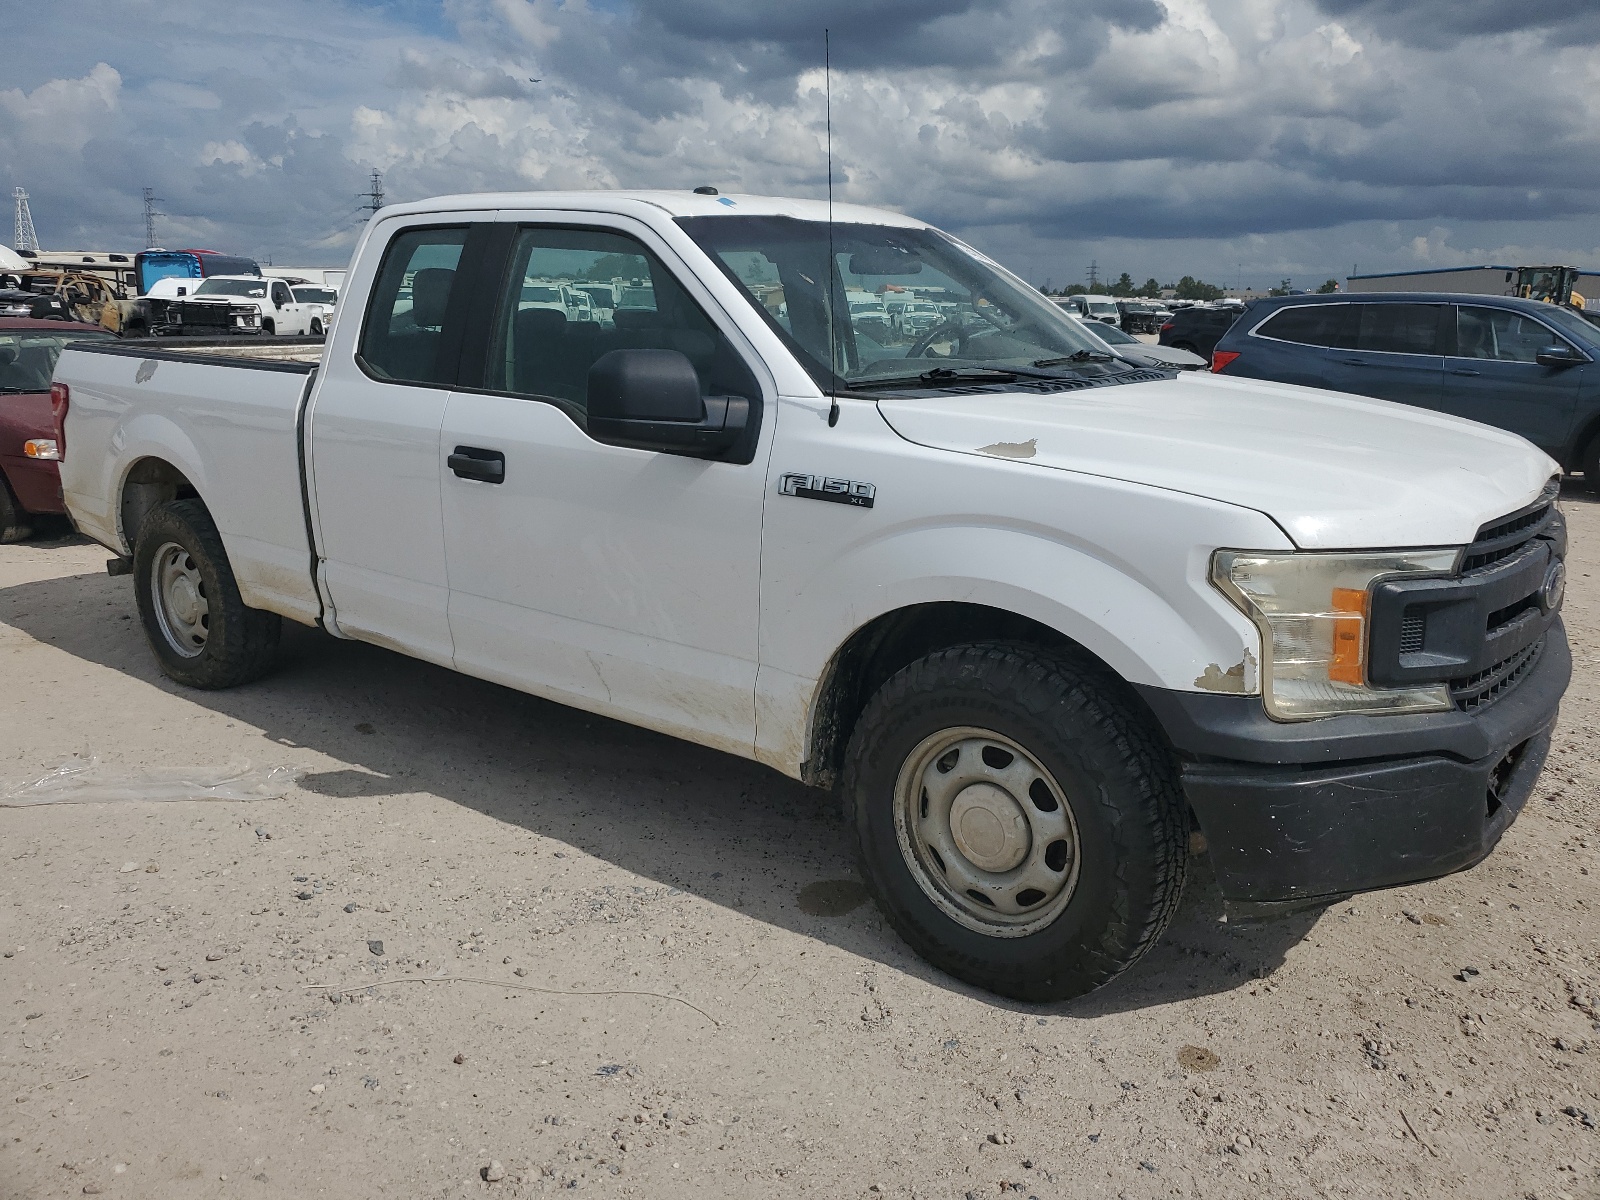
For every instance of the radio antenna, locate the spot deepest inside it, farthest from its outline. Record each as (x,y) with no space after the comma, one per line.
(833,356)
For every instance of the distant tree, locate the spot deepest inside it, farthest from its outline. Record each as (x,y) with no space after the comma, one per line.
(1282,289)
(614,266)
(1074,289)
(1190,288)
(1331,286)
(1151,289)
(1123,286)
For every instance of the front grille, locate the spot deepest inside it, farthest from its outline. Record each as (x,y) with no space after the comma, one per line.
(1504,537)
(1475,691)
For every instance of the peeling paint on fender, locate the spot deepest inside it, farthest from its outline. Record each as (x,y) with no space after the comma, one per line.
(1216,679)
(1025,449)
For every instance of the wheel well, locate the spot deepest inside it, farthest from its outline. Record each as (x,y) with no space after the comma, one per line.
(151,482)
(1581,444)
(884,645)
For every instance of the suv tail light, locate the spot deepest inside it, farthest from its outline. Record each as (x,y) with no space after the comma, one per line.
(1221,358)
(60,398)
(1167,326)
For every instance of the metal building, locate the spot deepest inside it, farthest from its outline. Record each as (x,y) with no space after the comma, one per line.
(1473,281)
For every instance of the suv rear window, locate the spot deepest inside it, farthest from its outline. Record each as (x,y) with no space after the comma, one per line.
(1401,328)
(1331,325)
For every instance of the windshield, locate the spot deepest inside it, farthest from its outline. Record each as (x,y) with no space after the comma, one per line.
(28,359)
(1100,304)
(255,289)
(315,295)
(973,317)
(1111,335)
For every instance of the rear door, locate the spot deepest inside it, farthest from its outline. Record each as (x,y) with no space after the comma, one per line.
(1494,377)
(624,581)
(373,431)
(1399,353)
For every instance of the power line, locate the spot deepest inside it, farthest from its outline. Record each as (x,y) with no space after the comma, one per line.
(150,215)
(1094,274)
(26,238)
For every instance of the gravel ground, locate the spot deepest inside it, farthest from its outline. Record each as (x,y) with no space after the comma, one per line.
(663,981)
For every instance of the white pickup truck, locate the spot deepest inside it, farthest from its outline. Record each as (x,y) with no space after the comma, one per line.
(278,309)
(1051,622)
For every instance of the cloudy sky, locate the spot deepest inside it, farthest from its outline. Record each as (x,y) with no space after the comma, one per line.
(1229,139)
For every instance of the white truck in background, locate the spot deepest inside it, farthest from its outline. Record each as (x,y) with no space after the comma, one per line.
(278,311)
(1037,612)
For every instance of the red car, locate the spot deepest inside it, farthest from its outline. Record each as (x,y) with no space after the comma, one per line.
(30,480)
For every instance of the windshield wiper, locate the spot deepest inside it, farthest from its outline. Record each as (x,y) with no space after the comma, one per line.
(941,376)
(1082,356)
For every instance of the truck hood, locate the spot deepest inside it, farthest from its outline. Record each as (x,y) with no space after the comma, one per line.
(1334,471)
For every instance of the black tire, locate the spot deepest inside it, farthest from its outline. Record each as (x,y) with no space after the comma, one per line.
(269,327)
(1591,464)
(230,643)
(14,522)
(1118,780)
(316,326)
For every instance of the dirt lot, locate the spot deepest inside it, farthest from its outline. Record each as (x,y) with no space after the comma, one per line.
(735,1029)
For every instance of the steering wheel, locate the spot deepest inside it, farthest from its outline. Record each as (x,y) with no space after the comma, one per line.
(926,341)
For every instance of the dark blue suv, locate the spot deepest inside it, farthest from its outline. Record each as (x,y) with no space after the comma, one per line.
(1521,365)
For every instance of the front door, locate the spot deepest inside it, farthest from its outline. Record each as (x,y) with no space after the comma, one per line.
(1398,355)
(1494,377)
(620,580)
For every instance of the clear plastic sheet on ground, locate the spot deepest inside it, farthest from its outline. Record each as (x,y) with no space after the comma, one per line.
(82,780)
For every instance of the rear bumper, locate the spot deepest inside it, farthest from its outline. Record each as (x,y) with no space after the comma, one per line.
(1296,813)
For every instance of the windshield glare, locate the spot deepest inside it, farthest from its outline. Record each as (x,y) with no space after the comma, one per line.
(935,303)
(232,287)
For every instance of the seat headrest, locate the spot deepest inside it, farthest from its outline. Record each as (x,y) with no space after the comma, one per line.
(430,293)
(540,322)
(637,318)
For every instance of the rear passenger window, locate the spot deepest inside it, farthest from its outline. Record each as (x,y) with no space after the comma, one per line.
(575,295)
(1313,325)
(1500,334)
(1400,328)
(404,331)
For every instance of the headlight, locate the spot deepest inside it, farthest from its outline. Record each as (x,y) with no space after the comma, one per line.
(1313,611)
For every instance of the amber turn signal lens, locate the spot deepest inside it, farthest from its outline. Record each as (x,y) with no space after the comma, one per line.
(40,448)
(1349,662)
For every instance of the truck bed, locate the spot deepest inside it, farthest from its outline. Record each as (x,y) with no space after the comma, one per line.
(149,416)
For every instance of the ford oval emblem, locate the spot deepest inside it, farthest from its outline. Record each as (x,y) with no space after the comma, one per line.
(1555,587)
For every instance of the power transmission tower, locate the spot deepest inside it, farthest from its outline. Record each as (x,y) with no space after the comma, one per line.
(26,238)
(1094,274)
(150,215)
(374,196)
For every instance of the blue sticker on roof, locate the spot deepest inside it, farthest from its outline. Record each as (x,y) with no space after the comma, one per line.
(724,200)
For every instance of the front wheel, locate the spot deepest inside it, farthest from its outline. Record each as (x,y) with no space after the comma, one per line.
(1020,825)
(316,326)
(202,632)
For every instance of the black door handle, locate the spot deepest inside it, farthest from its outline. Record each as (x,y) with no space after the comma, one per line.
(471,462)
(1464,371)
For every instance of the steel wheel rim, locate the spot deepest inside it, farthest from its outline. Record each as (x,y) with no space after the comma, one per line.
(179,594)
(977,815)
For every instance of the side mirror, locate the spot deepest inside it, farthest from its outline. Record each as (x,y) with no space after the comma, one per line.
(1558,356)
(650,400)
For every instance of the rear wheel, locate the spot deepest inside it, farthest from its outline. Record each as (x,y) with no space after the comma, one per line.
(199,627)
(14,522)
(1021,827)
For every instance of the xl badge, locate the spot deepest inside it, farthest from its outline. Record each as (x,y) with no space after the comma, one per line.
(820,487)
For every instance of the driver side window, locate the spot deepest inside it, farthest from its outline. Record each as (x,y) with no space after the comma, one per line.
(573,295)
